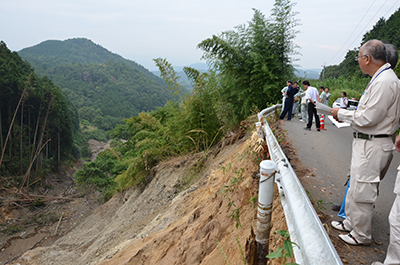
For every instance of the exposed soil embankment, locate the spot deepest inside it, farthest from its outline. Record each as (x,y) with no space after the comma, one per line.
(164,225)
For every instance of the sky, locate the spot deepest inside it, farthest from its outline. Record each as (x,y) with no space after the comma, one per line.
(144,30)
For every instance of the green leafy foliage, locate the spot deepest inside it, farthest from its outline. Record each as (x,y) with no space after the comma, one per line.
(254,60)
(286,251)
(102,172)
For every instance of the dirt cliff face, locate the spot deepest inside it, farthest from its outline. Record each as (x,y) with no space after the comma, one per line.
(164,225)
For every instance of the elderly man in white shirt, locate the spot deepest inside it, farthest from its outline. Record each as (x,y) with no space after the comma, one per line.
(312,96)
(374,122)
(393,251)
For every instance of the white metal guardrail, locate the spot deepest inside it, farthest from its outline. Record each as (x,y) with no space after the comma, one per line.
(305,228)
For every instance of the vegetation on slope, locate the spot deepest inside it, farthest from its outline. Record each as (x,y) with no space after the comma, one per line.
(38,124)
(248,66)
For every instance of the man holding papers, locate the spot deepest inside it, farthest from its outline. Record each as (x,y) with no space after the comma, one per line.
(374,122)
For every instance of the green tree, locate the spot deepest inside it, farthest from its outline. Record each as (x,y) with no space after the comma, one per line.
(254,60)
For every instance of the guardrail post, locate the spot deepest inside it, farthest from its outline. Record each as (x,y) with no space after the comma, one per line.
(265,198)
(260,131)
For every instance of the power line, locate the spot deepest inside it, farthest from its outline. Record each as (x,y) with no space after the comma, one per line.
(334,57)
(391,8)
(366,25)
(362,32)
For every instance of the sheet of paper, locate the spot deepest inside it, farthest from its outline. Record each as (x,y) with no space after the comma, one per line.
(338,124)
(323,109)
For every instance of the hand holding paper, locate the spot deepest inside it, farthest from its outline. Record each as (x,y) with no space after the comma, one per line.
(322,108)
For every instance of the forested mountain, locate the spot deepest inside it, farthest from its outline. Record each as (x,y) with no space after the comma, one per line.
(76,50)
(105,87)
(37,122)
(386,30)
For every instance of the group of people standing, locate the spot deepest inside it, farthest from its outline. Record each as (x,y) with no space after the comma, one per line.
(289,94)
(375,122)
(308,98)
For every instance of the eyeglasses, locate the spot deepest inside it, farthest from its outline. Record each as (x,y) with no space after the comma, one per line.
(358,57)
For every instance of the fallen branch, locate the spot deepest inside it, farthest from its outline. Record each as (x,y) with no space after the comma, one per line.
(59,221)
(32,198)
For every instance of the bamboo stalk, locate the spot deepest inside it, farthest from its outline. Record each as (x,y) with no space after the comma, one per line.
(9,130)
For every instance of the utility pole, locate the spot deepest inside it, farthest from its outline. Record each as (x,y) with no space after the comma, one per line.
(323,72)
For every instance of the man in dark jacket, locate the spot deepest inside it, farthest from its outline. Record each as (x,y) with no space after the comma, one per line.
(291,91)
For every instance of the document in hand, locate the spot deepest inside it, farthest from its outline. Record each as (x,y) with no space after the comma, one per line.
(338,124)
(323,109)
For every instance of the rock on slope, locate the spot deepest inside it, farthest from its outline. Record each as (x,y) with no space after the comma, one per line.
(159,225)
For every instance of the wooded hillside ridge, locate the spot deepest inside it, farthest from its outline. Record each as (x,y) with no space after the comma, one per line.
(76,50)
(105,87)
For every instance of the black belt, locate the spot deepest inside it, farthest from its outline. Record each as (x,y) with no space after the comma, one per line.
(369,136)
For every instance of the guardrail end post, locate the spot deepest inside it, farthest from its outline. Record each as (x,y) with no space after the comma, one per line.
(264,213)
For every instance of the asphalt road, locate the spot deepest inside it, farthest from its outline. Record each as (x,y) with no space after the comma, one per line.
(328,154)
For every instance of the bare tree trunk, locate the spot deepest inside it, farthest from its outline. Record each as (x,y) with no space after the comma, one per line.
(21,136)
(30,166)
(29,130)
(38,149)
(5,144)
(1,132)
(36,131)
(9,130)
(59,147)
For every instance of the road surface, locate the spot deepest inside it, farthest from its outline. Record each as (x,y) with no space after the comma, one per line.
(328,154)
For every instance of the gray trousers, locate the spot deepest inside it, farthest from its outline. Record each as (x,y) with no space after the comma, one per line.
(369,163)
(393,252)
(304,113)
(295,108)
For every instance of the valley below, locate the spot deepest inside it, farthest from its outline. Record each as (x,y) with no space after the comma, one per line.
(166,222)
